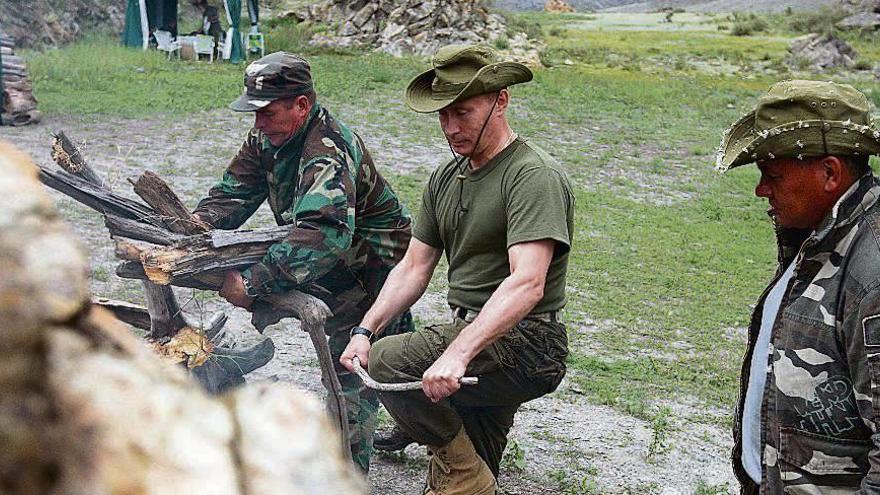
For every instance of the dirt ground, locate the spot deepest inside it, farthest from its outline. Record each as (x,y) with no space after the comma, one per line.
(567,444)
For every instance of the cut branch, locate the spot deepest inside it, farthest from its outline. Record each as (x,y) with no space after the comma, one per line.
(68,157)
(156,193)
(96,197)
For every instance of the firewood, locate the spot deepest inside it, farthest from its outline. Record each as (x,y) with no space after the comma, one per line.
(68,157)
(156,193)
(123,227)
(133,314)
(97,197)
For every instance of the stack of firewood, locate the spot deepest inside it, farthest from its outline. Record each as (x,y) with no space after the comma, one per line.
(161,244)
(19,104)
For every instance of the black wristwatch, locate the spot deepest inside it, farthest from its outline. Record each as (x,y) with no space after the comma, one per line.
(366,332)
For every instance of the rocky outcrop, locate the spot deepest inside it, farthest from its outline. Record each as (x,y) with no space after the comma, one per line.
(415,26)
(821,51)
(557,6)
(86,408)
(56,22)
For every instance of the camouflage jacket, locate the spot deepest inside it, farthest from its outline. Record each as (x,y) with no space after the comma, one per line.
(819,412)
(349,227)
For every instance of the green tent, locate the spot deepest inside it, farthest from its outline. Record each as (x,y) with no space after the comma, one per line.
(155,14)
(233,50)
(162,14)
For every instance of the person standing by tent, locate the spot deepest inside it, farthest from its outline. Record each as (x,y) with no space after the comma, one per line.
(210,22)
(347,227)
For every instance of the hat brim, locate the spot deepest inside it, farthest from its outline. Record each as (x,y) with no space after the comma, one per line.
(741,145)
(421,98)
(247,103)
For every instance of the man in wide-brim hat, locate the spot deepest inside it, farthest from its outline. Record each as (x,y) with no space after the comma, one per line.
(502,212)
(807,420)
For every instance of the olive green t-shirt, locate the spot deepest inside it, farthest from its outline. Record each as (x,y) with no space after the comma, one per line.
(519,196)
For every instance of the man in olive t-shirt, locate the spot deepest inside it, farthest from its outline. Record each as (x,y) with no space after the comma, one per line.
(502,213)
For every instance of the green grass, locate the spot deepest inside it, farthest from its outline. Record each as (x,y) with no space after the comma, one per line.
(668,255)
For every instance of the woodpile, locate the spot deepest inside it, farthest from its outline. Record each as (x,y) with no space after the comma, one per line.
(557,6)
(86,408)
(19,107)
(413,26)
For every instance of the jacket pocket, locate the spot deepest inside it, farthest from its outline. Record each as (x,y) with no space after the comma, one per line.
(808,460)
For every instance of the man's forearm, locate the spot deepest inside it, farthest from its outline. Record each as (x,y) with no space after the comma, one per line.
(401,290)
(509,304)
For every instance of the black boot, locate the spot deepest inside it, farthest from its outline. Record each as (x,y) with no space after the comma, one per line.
(392,440)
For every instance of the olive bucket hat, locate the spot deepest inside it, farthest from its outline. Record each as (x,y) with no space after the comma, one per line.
(459,72)
(277,75)
(801,119)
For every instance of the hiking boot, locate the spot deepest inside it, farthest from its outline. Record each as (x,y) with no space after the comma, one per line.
(392,441)
(456,469)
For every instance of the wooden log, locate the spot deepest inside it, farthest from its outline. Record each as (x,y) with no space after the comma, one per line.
(97,197)
(123,227)
(165,315)
(214,328)
(156,193)
(134,314)
(128,249)
(67,155)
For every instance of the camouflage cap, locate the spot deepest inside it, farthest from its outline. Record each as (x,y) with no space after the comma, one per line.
(460,72)
(277,75)
(801,119)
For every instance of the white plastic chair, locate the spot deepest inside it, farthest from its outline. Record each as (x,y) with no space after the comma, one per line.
(204,45)
(165,42)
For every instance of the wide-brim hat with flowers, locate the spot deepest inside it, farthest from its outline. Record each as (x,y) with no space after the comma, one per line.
(801,119)
(459,72)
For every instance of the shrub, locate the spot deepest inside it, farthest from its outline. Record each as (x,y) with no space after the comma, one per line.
(821,21)
(748,24)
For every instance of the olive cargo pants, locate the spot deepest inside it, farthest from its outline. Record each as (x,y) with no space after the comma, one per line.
(526,363)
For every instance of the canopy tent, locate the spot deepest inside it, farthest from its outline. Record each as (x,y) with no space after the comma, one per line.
(162,14)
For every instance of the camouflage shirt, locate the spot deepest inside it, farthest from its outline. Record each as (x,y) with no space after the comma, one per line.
(819,412)
(349,229)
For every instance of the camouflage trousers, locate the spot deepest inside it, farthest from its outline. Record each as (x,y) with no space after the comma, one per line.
(362,404)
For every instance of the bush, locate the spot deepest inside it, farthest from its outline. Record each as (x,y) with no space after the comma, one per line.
(748,24)
(821,21)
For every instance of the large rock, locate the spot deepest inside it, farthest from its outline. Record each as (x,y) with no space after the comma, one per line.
(414,26)
(86,408)
(55,22)
(862,20)
(821,52)
(557,6)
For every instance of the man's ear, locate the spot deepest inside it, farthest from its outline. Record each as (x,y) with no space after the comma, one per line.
(503,101)
(834,173)
(302,104)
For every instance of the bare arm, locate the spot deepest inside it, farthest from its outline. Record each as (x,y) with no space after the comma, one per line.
(511,302)
(405,285)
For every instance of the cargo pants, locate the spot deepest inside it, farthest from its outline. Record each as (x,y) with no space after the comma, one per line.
(526,363)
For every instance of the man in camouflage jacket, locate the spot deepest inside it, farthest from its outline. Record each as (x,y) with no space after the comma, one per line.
(348,227)
(807,417)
